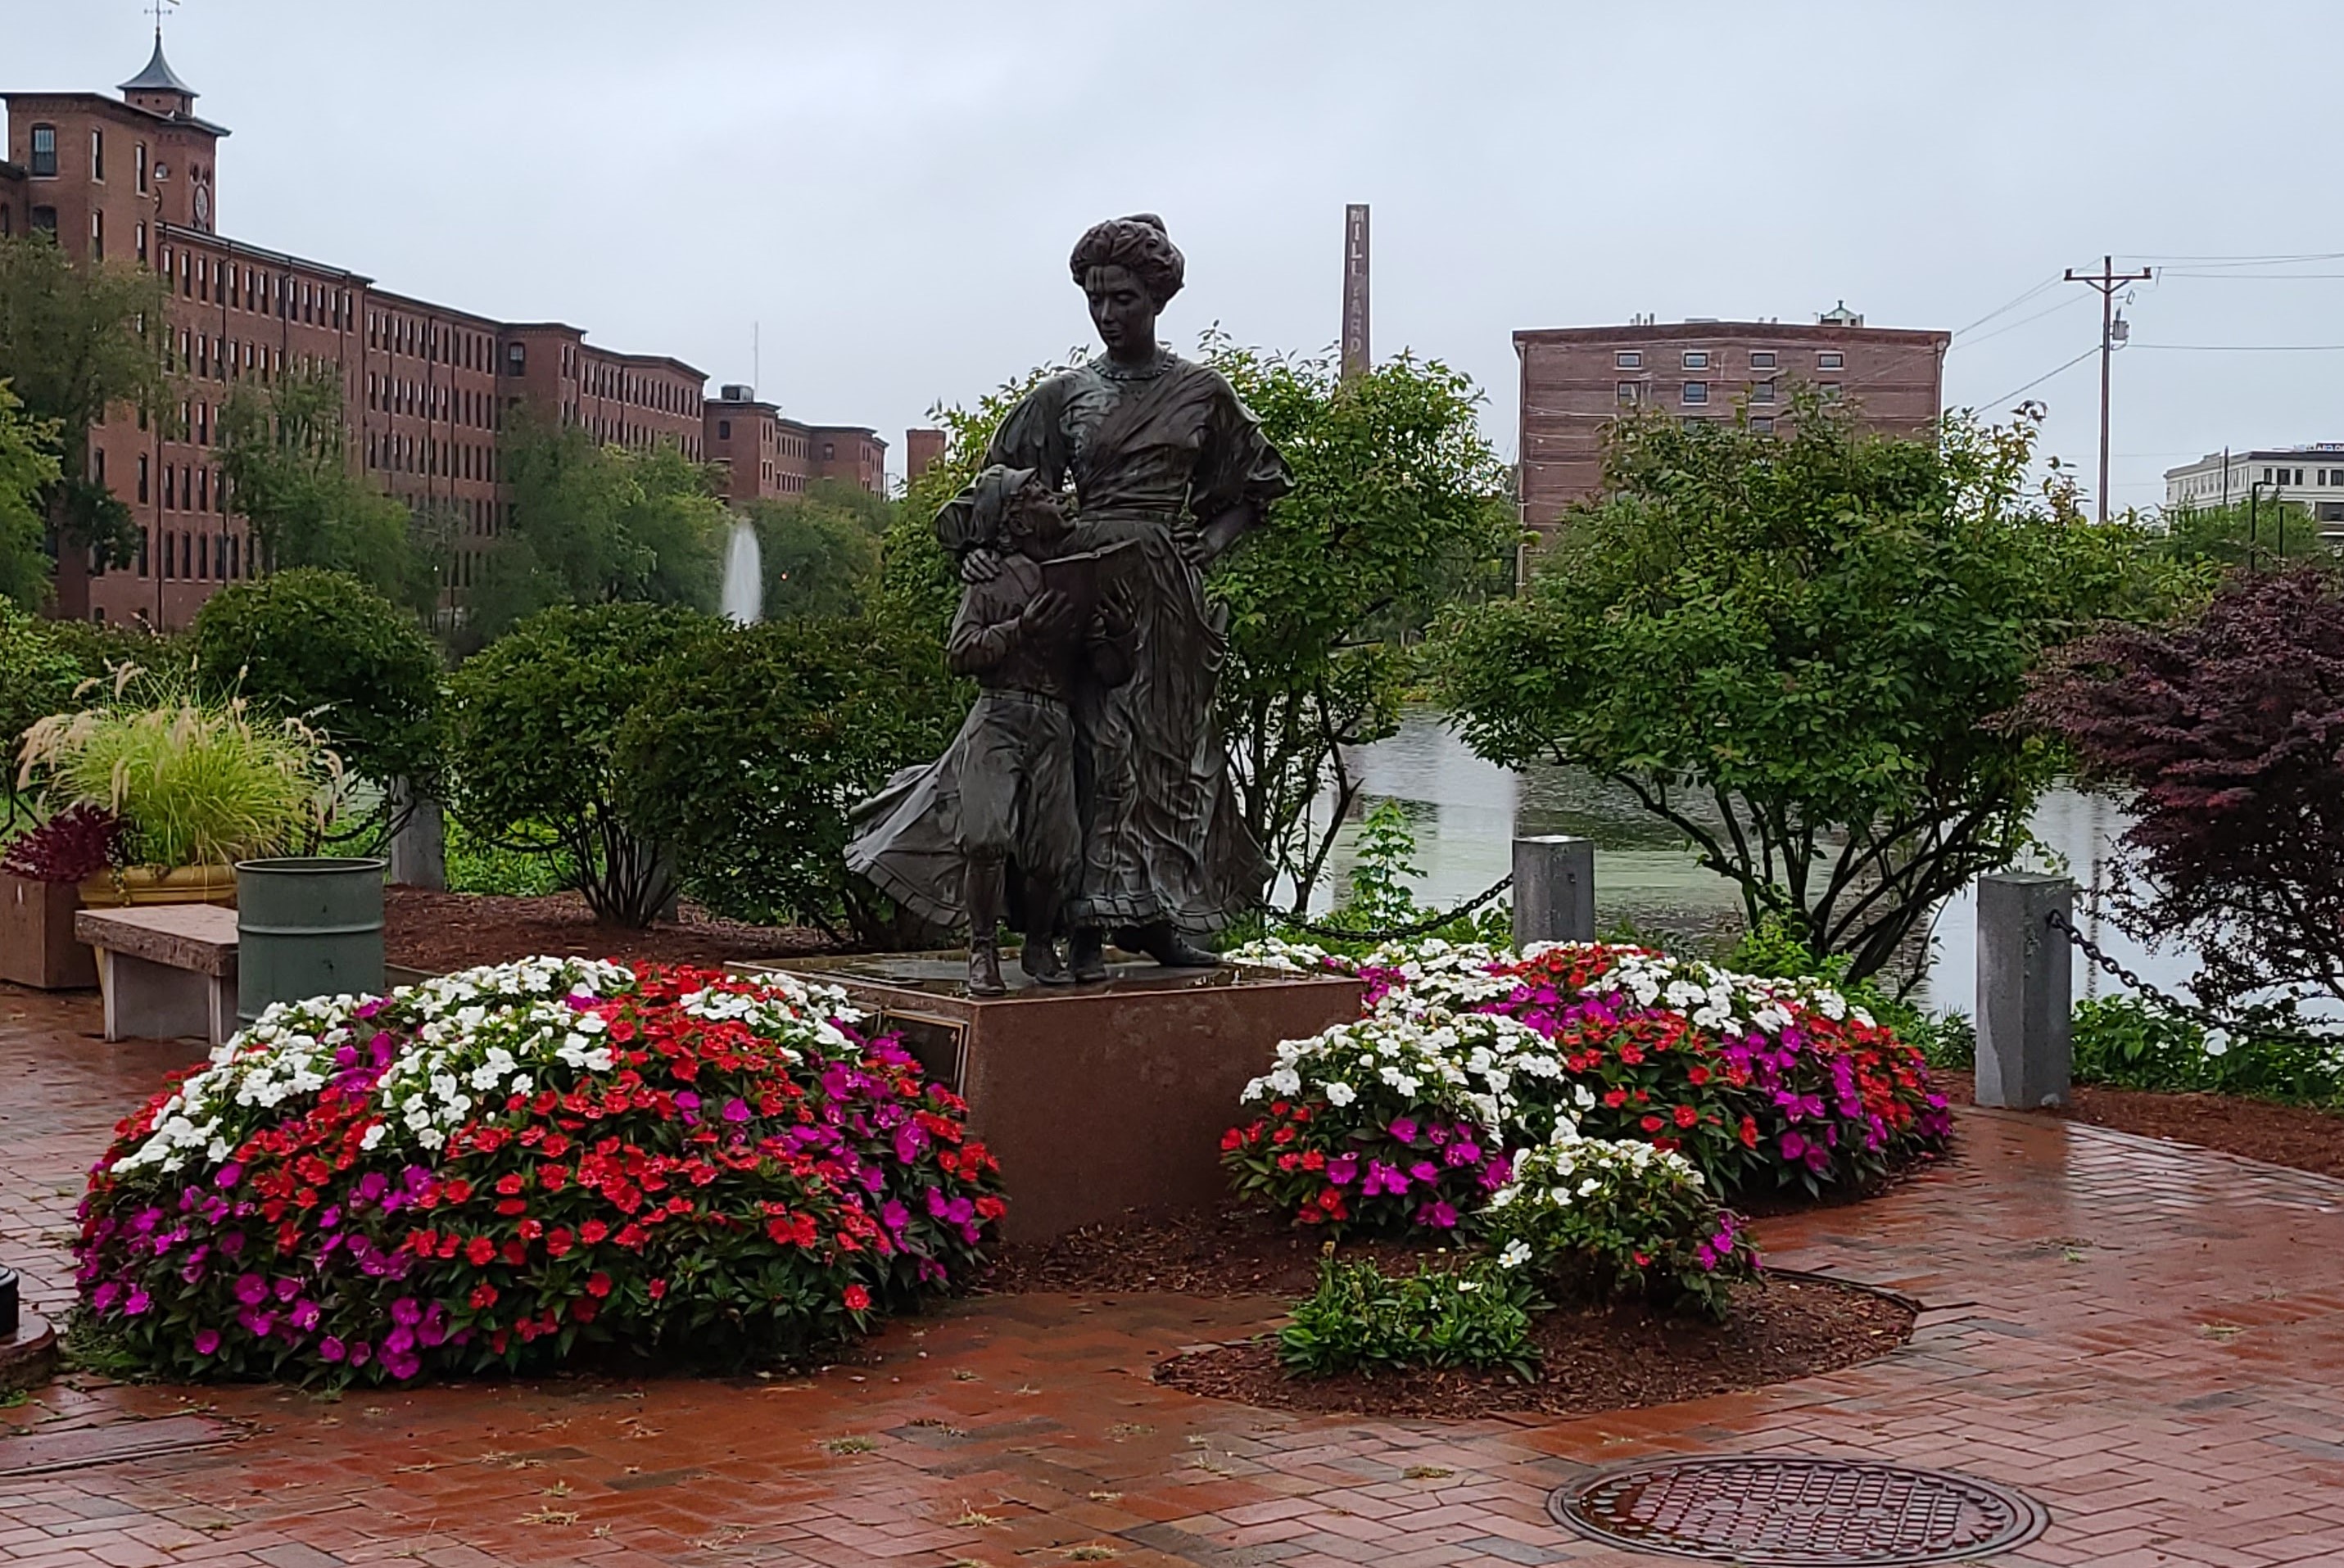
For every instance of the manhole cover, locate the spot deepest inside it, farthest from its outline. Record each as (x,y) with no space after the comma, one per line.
(1792,1512)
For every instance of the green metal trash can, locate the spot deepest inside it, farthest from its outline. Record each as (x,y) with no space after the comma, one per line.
(306,928)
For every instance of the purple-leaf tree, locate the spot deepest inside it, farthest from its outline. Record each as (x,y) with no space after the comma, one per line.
(2228,726)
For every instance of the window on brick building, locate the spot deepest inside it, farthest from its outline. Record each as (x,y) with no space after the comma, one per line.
(1830,390)
(1626,391)
(141,235)
(1761,359)
(45,152)
(1763,424)
(142,167)
(1829,360)
(44,220)
(724,430)
(1694,392)
(97,154)
(142,477)
(1696,359)
(1762,391)
(97,237)
(1628,360)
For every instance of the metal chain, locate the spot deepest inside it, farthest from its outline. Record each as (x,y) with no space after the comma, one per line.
(2202,1016)
(1431,924)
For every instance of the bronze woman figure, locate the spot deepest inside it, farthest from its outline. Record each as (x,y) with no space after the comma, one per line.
(1164,455)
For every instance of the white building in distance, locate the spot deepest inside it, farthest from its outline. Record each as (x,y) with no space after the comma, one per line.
(2310,476)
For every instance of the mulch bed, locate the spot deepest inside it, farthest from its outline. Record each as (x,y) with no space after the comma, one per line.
(1595,1359)
(1591,1360)
(441,932)
(2290,1135)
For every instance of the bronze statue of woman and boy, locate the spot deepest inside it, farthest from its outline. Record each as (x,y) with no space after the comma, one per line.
(1087,797)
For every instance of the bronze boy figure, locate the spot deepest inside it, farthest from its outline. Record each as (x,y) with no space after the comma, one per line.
(1004,792)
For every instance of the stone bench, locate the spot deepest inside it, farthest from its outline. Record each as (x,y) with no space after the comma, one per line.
(166,971)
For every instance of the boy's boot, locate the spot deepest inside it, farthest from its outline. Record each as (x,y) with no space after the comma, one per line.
(986,895)
(1039,957)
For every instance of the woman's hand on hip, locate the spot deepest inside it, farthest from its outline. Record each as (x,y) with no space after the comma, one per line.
(979,566)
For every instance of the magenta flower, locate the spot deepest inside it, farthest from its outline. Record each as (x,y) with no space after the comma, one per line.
(330,1349)
(138,1301)
(1402,1128)
(105,1295)
(229,1175)
(206,1340)
(1793,1146)
(736,1110)
(1439,1215)
(1341,1169)
(251,1290)
(1424,1170)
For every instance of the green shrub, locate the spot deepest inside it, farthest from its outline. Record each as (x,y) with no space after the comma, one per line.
(1359,1320)
(533,725)
(1610,1219)
(750,761)
(530,864)
(36,678)
(325,647)
(2124,1043)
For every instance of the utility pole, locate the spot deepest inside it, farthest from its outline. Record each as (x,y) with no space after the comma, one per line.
(2107,281)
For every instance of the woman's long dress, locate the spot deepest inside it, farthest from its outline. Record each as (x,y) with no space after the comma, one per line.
(1153,455)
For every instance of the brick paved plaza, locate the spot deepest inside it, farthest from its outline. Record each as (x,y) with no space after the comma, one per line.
(2147,1338)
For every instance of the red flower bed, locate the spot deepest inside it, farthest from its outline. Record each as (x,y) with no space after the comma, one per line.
(498,1168)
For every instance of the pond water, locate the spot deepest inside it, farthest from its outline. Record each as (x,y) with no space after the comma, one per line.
(1467,812)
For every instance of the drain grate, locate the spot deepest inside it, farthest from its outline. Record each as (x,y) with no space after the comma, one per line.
(1784,1512)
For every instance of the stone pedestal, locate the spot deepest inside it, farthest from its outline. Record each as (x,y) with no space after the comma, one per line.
(2025,991)
(1096,1098)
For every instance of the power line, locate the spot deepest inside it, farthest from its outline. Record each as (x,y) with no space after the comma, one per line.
(2031,386)
(2241,347)
(2012,305)
(2022,321)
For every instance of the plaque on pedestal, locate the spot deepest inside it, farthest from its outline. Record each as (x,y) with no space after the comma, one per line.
(1096,1098)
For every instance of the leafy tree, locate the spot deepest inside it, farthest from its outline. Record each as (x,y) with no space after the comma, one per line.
(819,552)
(2227,727)
(76,342)
(600,525)
(285,454)
(28,467)
(1398,509)
(2240,535)
(534,727)
(324,647)
(757,748)
(1790,646)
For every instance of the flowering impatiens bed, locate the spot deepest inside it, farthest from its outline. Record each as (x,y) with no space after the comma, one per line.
(1760,1082)
(499,1167)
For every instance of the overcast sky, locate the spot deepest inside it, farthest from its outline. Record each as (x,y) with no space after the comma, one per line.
(889,190)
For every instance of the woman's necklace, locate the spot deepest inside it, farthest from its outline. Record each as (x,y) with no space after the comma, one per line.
(1156,366)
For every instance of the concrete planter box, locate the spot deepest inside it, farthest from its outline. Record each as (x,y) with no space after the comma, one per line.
(36,936)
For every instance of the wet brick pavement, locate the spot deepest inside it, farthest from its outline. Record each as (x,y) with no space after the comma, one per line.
(2148,1338)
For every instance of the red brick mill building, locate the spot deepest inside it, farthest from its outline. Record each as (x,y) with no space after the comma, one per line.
(429,387)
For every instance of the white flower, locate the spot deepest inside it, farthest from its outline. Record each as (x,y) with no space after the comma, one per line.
(1514,1255)
(1340,1093)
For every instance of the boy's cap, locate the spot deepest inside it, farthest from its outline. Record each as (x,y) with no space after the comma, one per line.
(976,512)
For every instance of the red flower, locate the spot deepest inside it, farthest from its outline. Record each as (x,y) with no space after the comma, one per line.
(857,1299)
(1230,1140)
(658,1289)
(1615,1098)
(598,1285)
(1686,1115)
(593,1231)
(558,1241)
(483,1296)
(479,1252)
(1652,1124)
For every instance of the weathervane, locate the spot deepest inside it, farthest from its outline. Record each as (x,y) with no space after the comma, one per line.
(160,9)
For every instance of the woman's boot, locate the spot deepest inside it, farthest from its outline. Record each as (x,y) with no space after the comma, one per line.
(985,894)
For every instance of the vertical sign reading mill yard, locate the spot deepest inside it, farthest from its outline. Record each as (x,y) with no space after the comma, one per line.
(1355,290)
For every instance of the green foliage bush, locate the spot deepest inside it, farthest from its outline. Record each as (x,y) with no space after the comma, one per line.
(478,865)
(1359,1320)
(818,553)
(323,647)
(533,726)
(2126,1043)
(37,678)
(749,761)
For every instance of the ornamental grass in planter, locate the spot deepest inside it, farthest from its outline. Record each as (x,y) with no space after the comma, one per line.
(510,1167)
(197,783)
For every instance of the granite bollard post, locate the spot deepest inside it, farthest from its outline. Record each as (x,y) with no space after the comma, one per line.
(1554,890)
(419,850)
(2025,991)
